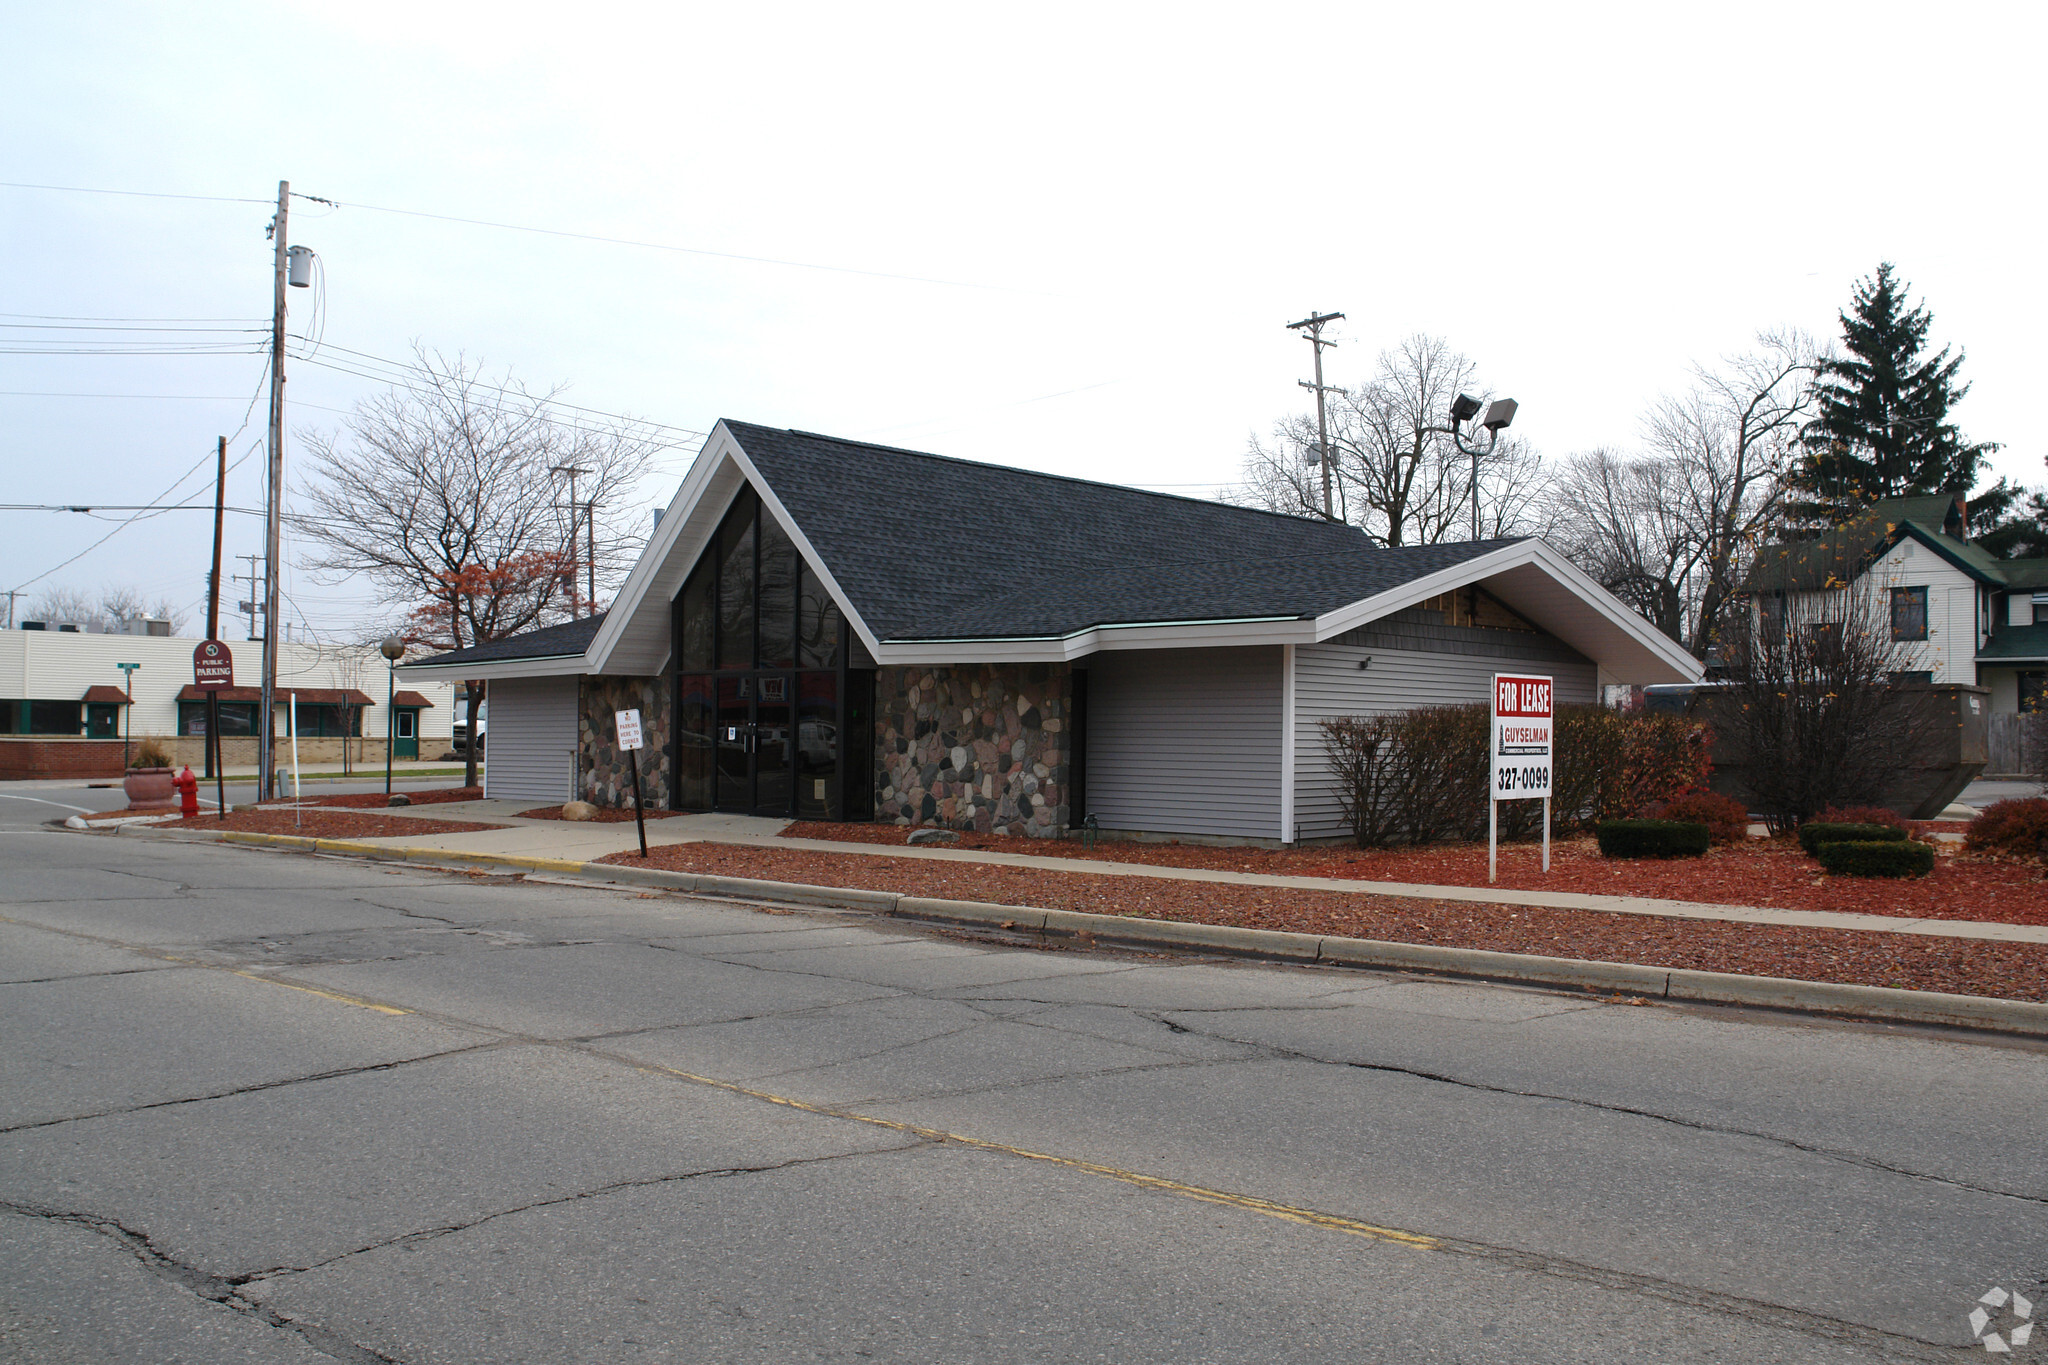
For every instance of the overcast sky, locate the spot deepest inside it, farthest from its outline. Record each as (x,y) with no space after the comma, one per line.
(1067,237)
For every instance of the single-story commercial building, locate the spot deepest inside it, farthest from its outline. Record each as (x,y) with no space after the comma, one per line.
(831,630)
(65,708)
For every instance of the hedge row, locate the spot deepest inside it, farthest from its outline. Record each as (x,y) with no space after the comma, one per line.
(1422,775)
(1815,833)
(1652,838)
(1877,858)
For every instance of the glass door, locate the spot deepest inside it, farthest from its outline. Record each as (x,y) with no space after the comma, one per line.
(755,743)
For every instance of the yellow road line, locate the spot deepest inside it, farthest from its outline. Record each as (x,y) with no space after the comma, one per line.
(1249,1203)
(313,990)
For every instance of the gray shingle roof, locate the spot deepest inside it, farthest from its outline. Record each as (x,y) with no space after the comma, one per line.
(549,642)
(931,548)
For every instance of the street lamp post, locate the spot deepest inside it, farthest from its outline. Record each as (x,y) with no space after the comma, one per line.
(1499,413)
(393,649)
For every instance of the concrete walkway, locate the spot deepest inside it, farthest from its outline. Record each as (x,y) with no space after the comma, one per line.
(585,842)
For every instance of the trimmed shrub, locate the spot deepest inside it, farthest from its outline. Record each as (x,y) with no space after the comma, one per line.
(1876,857)
(1652,838)
(1865,815)
(1419,776)
(1814,833)
(2018,828)
(1726,819)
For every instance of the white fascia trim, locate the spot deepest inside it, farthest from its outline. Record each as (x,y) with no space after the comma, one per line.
(657,550)
(546,666)
(1531,551)
(1256,630)
(803,545)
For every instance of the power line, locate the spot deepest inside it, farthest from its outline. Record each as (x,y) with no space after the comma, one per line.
(668,246)
(131,194)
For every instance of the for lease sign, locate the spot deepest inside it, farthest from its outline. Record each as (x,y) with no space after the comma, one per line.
(1522,733)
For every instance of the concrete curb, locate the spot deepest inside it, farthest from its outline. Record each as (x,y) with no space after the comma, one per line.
(1882,1003)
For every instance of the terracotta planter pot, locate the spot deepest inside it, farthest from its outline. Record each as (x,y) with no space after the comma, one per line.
(150,789)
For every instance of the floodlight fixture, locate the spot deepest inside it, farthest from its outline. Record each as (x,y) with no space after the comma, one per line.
(1499,413)
(1464,408)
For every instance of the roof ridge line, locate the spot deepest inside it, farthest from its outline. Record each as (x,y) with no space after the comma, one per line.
(1041,474)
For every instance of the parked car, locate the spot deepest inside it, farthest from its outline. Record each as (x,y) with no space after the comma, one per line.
(461,736)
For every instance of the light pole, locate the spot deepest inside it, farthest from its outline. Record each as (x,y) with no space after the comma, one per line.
(393,649)
(1499,413)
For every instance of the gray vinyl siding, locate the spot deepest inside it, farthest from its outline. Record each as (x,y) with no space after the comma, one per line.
(530,740)
(1186,741)
(1328,682)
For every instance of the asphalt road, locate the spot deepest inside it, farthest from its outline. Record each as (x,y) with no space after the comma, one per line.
(267,1107)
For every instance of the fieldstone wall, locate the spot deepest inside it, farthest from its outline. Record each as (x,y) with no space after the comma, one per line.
(606,776)
(974,747)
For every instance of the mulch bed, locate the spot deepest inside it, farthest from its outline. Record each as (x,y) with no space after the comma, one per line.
(379,801)
(606,815)
(1775,873)
(1965,967)
(327,824)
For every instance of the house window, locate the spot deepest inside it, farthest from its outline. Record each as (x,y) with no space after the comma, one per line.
(236,717)
(54,717)
(321,721)
(1771,617)
(1913,677)
(404,724)
(1909,613)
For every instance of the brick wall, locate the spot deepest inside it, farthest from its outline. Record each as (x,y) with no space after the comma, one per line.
(25,758)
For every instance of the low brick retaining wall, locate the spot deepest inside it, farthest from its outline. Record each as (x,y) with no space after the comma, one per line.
(28,757)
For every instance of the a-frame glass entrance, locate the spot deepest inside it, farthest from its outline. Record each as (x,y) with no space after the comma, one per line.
(763,724)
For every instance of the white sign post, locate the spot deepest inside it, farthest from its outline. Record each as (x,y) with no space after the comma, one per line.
(628,725)
(1521,748)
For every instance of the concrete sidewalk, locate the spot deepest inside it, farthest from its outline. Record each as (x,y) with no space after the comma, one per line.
(580,842)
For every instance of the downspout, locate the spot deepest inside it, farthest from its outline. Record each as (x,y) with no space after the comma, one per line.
(1287,830)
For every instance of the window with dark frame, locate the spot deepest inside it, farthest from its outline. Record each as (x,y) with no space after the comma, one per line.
(1909,613)
(752,603)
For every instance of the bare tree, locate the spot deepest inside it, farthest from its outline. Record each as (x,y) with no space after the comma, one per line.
(1624,521)
(1735,435)
(1813,716)
(1672,531)
(1398,475)
(107,608)
(441,492)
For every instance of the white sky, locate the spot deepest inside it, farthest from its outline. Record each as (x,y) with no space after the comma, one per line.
(1134,200)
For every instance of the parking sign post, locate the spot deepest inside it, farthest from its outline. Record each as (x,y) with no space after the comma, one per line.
(630,740)
(1521,750)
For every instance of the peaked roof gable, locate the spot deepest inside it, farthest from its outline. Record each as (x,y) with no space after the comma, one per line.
(933,559)
(927,547)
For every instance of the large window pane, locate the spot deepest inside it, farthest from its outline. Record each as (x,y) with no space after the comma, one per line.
(695,752)
(736,586)
(696,629)
(53,717)
(778,595)
(817,624)
(817,746)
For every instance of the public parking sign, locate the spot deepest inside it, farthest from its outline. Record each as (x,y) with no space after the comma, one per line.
(213,666)
(629,729)
(1522,731)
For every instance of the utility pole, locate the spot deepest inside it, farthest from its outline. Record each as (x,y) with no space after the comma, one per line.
(216,764)
(1312,327)
(255,603)
(273,504)
(572,470)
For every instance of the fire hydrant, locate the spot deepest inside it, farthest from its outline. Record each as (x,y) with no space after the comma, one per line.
(188,792)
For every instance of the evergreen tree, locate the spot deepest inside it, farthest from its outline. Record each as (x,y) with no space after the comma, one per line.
(1883,428)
